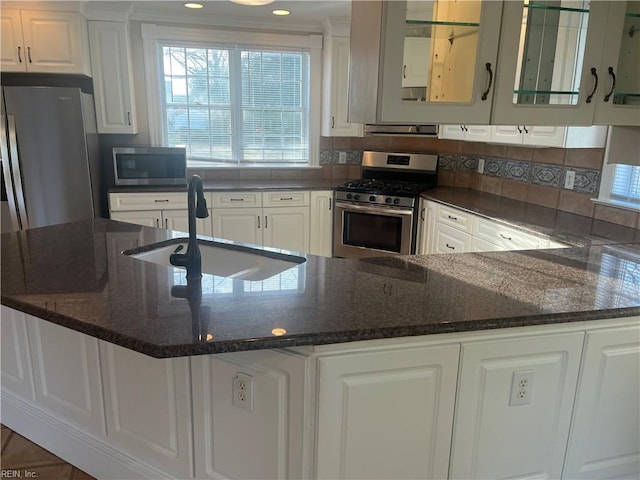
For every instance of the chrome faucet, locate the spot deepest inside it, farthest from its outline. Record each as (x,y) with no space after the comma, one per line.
(192,260)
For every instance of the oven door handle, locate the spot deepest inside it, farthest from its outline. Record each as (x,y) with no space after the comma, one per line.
(376,210)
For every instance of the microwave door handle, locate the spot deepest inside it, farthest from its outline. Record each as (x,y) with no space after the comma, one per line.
(379,211)
(6,173)
(16,174)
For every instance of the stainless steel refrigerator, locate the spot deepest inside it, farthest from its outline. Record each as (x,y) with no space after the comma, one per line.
(50,156)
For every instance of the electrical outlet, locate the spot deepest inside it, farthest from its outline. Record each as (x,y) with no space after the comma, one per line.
(521,387)
(481,165)
(570,179)
(242,391)
(342,158)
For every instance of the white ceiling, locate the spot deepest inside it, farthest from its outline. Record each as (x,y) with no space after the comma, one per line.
(306,15)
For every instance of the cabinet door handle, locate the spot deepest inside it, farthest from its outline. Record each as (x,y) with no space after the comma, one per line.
(333,121)
(404,71)
(452,217)
(525,129)
(330,203)
(29,54)
(157,223)
(266,224)
(613,84)
(505,237)
(462,127)
(258,221)
(594,74)
(486,92)
(519,129)
(19,55)
(422,212)
(449,246)
(166,223)
(129,118)
(161,200)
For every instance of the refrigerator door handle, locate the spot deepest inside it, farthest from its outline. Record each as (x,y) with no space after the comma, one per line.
(15,172)
(6,170)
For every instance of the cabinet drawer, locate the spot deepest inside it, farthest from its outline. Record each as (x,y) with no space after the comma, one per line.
(454,218)
(236,199)
(285,198)
(450,240)
(505,237)
(147,201)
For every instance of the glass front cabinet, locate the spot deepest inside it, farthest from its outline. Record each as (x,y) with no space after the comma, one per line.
(530,62)
(568,62)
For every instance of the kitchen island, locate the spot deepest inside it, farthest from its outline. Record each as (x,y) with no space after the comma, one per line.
(334,352)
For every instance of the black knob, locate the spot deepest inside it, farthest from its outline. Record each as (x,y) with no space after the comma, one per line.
(396,201)
(349,196)
(372,198)
(388,200)
(356,197)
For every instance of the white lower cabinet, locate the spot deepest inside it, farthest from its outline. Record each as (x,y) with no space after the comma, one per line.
(513,406)
(15,362)
(263,440)
(148,408)
(450,240)
(238,224)
(605,435)
(169,219)
(321,223)
(386,414)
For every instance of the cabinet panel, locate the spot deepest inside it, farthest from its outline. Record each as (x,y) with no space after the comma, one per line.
(236,200)
(148,407)
(386,414)
(494,435)
(67,380)
(287,228)
(285,199)
(605,436)
(112,77)
(147,201)
(449,240)
(454,218)
(321,223)
(505,237)
(238,224)
(12,57)
(17,374)
(179,220)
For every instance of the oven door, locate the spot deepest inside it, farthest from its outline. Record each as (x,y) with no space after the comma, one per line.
(366,231)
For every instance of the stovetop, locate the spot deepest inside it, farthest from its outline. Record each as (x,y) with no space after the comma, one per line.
(385,187)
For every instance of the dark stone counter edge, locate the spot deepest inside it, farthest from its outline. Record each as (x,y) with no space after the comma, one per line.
(227,346)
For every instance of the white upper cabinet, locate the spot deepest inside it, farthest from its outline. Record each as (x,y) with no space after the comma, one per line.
(551,69)
(112,77)
(618,101)
(44,42)
(335,87)
(460,45)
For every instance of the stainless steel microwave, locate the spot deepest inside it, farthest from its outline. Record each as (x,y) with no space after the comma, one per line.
(150,166)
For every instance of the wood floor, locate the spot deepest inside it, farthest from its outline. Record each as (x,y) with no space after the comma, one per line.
(20,458)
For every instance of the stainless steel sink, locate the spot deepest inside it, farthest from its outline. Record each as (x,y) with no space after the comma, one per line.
(221,259)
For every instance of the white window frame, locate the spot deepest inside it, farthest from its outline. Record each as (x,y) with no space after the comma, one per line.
(606,184)
(153,35)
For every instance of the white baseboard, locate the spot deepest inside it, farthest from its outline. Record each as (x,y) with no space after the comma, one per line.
(87,452)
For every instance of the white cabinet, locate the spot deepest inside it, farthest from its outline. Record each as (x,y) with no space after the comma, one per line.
(15,364)
(426,226)
(321,223)
(278,219)
(386,414)
(506,238)
(264,441)
(335,89)
(451,231)
(112,77)
(469,133)
(549,136)
(160,210)
(513,406)
(66,366)
(461,57)
(148,407)
(605,433)
(44,42)
(415,62)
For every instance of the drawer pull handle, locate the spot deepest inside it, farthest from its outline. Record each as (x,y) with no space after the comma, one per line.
(452,217)
(236,199)
(505,237)
(161,201)
(258,221)
(449,246)
(19,56)
(286,198)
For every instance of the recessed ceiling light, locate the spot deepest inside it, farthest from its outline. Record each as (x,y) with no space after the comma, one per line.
(281,12)
(253,3)
(194,5)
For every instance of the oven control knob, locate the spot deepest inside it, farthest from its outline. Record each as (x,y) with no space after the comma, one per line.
(388,200)
(372,198)
(356,197)
(396,201)
(349,196)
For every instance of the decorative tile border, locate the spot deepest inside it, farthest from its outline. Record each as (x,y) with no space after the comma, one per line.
(331,157)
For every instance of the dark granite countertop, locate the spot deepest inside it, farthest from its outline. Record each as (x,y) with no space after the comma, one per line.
(564,227)
(234,185)
(75,275)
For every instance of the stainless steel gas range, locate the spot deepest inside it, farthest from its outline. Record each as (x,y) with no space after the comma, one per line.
(378,214)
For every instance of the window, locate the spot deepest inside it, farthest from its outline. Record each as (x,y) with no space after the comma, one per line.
(234,98)
(626,184)
(620,182)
